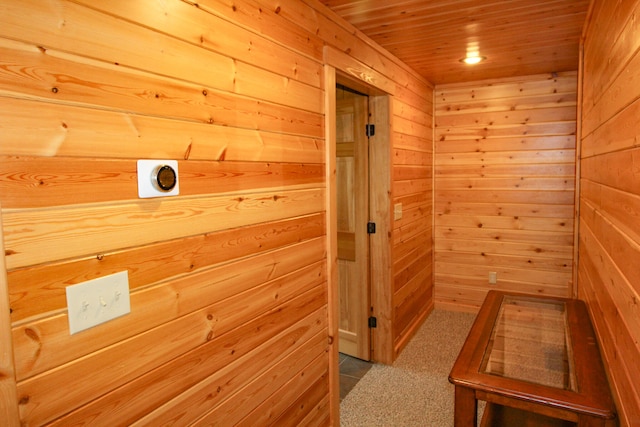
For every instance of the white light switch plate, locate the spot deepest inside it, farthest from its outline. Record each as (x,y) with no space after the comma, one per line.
(493,277)
(397,211)
(97,301)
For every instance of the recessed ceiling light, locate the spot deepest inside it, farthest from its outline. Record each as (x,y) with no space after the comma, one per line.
(472,60)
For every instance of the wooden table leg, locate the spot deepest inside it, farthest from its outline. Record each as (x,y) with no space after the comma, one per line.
(589,421)
(466,407)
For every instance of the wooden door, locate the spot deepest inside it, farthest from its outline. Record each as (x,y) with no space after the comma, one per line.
(352,182)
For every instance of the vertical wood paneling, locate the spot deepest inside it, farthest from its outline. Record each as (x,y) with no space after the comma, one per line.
(8,389)
(505,179)
(609,247)
(230,319)
(331,227)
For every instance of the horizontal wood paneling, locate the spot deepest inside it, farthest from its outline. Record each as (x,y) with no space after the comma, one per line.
(412,234)
(32,182)
(165,55)
(230,303)
(504,187)
(182,20)
(609,247)
(125,90)
(42,345)
(33,235)
(40,289)
(64,130)
(291,358)
(155,348)
(213,391)
(209,296)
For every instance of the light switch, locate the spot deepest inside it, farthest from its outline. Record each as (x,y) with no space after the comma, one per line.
(493,277)
(97,301)
(397,211)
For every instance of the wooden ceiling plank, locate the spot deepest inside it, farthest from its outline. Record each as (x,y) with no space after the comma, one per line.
(518,36)
(469,11)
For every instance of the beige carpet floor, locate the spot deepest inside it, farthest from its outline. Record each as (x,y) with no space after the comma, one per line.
(415,390)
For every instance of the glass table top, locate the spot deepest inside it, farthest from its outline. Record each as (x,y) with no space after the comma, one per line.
(529,342)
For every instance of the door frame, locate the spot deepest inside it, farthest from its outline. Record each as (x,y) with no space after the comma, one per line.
(380,207)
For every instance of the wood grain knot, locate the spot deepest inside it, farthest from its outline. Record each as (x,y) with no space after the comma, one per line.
(33,335)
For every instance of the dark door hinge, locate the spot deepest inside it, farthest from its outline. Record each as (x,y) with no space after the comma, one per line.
(373,322)
(371,130)
(371,227)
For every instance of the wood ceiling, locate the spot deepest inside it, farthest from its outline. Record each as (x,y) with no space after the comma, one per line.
(518,37)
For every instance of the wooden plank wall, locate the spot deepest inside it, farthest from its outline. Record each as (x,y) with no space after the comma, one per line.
(411,110)
(609,246)
(504,187)
(412,187)
(228,280)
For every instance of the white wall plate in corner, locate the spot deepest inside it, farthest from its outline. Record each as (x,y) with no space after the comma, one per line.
(158,178)
(397,211)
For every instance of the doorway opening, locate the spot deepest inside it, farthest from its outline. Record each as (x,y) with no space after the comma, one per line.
(352,201)
(375,218)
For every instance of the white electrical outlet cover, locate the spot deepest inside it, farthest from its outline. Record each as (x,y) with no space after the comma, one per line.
(97,301)
(146,176)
